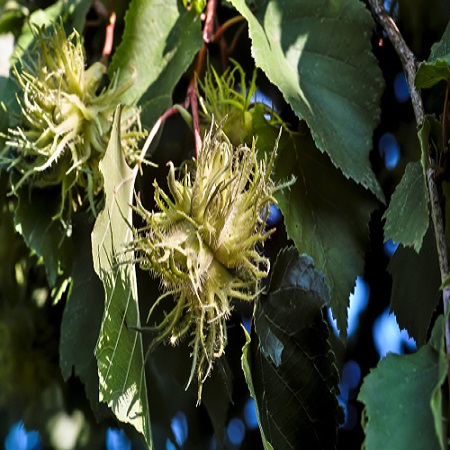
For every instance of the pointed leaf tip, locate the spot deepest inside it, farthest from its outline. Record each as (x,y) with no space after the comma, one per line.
(301,46)
(119,349)
(289,360)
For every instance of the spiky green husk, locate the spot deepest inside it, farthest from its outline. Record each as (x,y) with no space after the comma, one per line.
(229,96)
(220,99)
(64,126)
(204,244)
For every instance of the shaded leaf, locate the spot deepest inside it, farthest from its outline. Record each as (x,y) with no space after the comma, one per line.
(216,396)
(293,375)
(402,395)
(407,217)
(78,14)
(158,45)
(446,192)
(325,214)
(50,239)
(119,349)
(12,17)
(7,96)
(415,290)
(318,53)
(82,316)
(246,361)
(170,368)
(437,67)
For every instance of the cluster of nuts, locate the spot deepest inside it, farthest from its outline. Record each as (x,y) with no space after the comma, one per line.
(65,120)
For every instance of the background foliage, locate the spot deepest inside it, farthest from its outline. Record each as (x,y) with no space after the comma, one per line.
(71,357)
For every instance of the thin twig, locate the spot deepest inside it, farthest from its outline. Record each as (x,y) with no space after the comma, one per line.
(410,65)
(208,36)
(208,30)
(109,39)
(153,132)
(192,95)
(225,26)
(407,57)
(444,119)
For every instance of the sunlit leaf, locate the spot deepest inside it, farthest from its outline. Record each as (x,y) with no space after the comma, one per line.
(158,45)
(402,398)
(325,214)
(289,366)
(318,53)
(119,349)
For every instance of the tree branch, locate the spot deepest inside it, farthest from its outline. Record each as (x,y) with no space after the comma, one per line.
(407,57)
(410,65)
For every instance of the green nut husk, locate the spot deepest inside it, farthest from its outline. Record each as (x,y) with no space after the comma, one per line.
(65,120)
(205,242)
(220,99)
(229,96)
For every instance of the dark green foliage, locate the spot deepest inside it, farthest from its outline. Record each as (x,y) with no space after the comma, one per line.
(406,390)
(290,365)
(72,299)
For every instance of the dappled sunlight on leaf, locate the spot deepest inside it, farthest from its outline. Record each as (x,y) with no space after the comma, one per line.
(119,349)
(325,214)
(301,46)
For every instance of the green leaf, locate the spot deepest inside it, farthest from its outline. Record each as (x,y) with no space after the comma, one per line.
(245,360)
(197,5)
(48,238)
(119,349)
(402,398)
(82,316)
(78,14)
(325,214)
(45,17)
(318,53)
(293,376)
(407,217)
(415,289)
(437,67)
(217,396)
(158,45)
(12,17)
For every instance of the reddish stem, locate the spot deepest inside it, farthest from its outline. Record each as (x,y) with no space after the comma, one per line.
(200,62)
(192,96)
(208,30)
(109,39)
(154,130)
(225,26)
